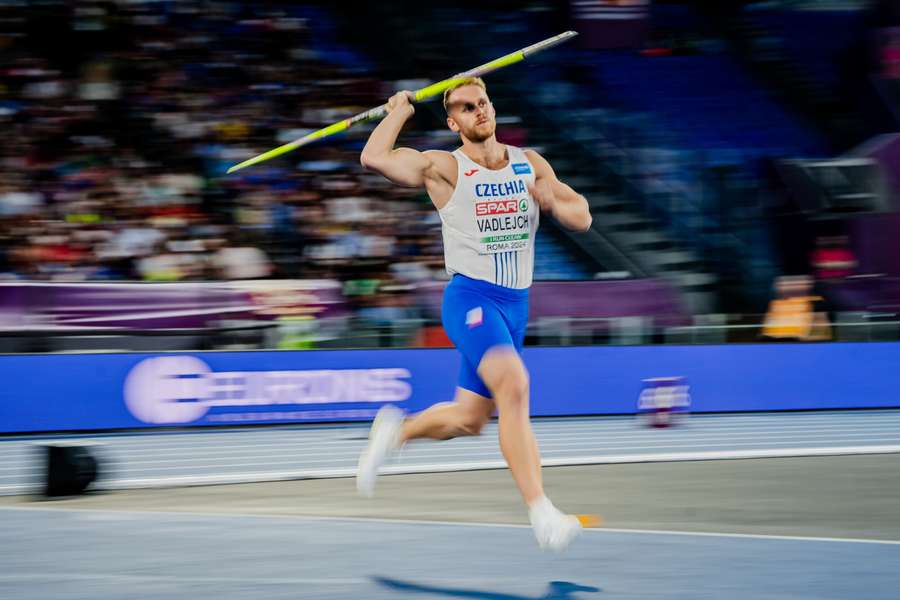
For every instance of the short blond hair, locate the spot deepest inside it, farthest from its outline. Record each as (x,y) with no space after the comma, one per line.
(477,81)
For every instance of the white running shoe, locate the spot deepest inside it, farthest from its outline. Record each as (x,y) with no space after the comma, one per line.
(553,529)
(384,439)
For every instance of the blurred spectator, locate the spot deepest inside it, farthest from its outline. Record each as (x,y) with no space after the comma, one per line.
(832,257)
(395,304)
(161,265)
(116,148)
(890,53)
(795,314)
(242,262)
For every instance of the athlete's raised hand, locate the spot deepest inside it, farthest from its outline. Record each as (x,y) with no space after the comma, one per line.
(401,100)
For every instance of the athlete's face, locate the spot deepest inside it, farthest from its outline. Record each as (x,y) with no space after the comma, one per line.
(471,113)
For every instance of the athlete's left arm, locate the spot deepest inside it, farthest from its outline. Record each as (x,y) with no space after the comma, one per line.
(565,204)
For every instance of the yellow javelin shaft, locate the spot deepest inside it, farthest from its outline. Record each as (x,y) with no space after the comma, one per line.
(435,89)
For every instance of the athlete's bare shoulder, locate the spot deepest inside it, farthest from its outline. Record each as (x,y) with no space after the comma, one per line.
(444,164)
(440,180)
(541,166)
(532,154)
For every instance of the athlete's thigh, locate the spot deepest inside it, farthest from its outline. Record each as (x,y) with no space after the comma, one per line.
(474,324)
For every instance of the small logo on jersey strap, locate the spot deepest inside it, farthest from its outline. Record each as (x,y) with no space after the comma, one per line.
(521,168)
(475,317)
(470,173)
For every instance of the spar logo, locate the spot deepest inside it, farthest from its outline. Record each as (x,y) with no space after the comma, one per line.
(182,389)
(500,207)
(496,207)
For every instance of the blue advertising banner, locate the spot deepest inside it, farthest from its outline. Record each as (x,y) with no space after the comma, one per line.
(128,391)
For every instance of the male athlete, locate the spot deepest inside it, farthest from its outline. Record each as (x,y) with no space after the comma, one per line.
(487,195)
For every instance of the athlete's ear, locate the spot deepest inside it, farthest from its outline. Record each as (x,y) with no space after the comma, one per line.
(454,127)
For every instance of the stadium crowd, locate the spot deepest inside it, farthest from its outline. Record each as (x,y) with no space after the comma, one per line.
(120,119)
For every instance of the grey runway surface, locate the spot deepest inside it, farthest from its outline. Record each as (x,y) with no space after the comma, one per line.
(104,555)
(282,453)
(818,526)
(834,496)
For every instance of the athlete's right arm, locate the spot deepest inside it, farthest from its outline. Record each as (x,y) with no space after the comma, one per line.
(403,166)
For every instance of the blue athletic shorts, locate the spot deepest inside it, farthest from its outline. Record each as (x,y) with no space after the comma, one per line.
(478,316)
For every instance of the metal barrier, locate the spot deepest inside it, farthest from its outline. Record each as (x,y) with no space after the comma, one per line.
(353,332)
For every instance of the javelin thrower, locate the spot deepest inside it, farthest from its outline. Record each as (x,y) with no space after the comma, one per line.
(489,197)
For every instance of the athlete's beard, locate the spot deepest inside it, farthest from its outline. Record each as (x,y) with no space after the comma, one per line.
(473,134)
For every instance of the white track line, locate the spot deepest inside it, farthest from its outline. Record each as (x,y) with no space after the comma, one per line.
(258,477)
(200,441)
(538,422)
(299,441)
(156,514)
(600,439)
(212,463)
(569,427)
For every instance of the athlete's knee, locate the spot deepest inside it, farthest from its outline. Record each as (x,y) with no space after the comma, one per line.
(513,387)
(506,376)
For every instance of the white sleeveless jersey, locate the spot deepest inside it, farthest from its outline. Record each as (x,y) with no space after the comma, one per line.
(490,222)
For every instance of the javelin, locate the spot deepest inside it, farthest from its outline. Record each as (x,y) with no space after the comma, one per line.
(423,94)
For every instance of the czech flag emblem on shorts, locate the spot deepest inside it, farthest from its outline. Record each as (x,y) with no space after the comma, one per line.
(475,317)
